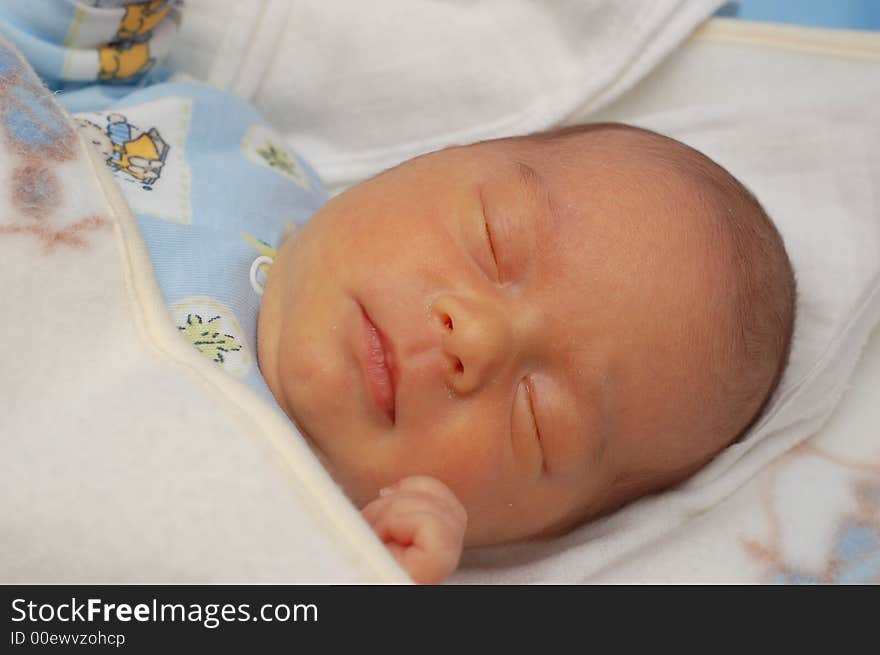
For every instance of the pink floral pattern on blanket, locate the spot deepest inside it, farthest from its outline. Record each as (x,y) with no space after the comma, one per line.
(38,138)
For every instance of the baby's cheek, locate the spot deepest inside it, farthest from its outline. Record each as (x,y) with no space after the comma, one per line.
(468,455)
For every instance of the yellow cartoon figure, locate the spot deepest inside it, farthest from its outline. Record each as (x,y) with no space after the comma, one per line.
(140,19)
(129,53)
(141,156)
(121,61)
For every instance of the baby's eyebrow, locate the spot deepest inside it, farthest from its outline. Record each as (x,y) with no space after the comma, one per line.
(530,178)
(536,186)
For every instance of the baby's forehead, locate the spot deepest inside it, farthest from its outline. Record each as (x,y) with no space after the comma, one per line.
(623,231)
(627,160)
(618,186)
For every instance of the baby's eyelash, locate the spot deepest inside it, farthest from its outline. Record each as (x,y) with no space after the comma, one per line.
(529,393)
(490,242)
(491,245)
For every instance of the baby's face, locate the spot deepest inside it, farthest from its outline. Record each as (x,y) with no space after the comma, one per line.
(510,318)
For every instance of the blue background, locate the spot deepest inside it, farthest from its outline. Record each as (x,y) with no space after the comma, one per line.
(838,14)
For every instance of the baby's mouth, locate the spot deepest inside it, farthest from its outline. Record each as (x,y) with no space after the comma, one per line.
(379,367)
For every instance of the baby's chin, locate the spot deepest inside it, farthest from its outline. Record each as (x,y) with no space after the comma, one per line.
(355,478)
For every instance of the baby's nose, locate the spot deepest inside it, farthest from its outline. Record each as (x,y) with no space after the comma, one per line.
(476,341)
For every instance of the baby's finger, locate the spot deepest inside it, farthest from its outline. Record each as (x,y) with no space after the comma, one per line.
(432,487)
(385,509)
(413,526)
(407,502)
(426,548)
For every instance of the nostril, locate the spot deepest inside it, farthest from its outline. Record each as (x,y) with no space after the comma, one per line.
(447,321)
(459,367)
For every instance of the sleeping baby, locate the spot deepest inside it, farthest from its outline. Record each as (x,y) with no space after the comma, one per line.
(504,340)
(489,343)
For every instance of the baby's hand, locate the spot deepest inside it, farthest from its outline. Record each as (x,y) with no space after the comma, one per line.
(422,523)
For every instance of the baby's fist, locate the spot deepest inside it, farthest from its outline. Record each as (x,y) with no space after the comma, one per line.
(422,523)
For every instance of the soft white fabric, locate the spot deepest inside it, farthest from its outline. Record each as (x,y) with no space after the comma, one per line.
(799,130)
(361,86)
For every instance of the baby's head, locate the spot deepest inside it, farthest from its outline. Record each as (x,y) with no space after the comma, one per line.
(552,325)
